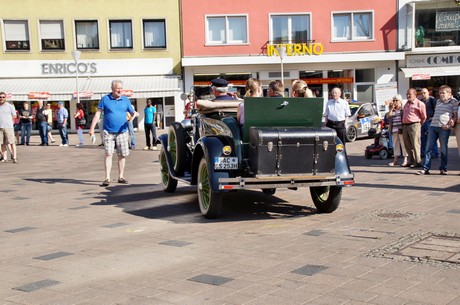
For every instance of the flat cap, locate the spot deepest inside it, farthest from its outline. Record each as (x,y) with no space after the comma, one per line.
(219,82)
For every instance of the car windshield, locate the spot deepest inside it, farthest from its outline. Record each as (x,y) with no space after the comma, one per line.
(353,109)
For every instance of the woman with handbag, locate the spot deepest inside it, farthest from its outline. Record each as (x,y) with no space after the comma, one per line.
(80,123)
(395,128)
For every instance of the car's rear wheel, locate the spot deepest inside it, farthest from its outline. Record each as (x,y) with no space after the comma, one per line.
(326,198)
(352,133)
(177,147)
(169,183)
(210,202)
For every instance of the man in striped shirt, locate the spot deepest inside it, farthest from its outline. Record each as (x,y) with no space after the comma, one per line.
(445,116)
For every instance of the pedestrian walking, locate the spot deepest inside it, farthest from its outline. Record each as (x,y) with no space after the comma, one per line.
(337,111)
(7,115)
(445,116)
(414,115)
(42,123)
(115,106)
(62,117)
(159,119)
(25,117)
(80,123)
(149,126)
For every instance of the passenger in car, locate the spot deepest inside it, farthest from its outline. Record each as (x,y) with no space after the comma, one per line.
(299,88)
(253,89)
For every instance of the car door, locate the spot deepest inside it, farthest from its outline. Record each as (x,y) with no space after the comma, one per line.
(367,118)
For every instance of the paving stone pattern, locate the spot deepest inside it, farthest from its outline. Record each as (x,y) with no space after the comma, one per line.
(66,240)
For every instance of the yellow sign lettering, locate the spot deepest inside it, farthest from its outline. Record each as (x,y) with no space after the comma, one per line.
(296,49)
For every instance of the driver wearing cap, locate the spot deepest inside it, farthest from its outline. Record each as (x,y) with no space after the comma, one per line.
(220,89)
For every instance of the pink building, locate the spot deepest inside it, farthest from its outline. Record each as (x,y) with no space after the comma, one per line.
(351,44)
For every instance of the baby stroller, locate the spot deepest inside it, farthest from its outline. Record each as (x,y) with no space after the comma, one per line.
(381,145)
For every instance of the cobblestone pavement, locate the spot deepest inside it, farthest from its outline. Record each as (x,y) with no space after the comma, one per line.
(66,240)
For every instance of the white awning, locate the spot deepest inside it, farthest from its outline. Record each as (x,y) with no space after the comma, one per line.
(64,88)
(432,71)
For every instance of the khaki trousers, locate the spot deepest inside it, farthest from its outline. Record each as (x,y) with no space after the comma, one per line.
(411,135)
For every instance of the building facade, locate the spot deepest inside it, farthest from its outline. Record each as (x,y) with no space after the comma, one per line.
(135,41)
(350,44)
(429,33)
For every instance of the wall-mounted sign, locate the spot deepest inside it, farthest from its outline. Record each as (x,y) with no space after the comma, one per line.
(39,95)
(421,76)
(431,60)
(64,68)
(296,49)
(127,92)
(331,80)
(447,21)
(83,94)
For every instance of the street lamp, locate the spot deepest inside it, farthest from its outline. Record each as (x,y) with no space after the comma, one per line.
(282,53)
(76,57)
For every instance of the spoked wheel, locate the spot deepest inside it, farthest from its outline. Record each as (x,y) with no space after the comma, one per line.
(176,147)
(269,191)
(169,183)
(210,202)
(352,134)
(326,198)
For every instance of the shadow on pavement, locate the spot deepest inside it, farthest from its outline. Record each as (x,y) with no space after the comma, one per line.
(150,201)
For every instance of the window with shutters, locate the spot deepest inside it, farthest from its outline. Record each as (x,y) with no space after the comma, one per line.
(52,35)
(16,35)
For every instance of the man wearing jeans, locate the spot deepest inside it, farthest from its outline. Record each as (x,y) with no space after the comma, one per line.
(62,116)
(149,126)
(445,116)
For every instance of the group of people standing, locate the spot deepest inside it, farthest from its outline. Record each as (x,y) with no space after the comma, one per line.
(417,126)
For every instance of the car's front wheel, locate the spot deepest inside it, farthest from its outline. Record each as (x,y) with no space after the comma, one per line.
(352,133)
(326,198)
(210,202)
(169,183)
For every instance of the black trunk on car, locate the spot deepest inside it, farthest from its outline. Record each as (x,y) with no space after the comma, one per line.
(281,151)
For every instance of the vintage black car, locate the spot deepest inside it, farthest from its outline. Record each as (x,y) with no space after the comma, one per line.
(282,145)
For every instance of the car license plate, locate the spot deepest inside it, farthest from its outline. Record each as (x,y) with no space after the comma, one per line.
(225,163)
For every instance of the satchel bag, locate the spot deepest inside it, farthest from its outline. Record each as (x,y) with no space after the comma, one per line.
(81,122)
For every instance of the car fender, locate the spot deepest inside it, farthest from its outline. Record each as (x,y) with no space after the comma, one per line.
(342,167)
(209,147)
(164,143)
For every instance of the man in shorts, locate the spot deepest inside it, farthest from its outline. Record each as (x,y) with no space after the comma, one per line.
(7,114)
(115,129)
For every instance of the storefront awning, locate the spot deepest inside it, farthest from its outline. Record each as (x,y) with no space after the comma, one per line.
(432,71)
(90,87)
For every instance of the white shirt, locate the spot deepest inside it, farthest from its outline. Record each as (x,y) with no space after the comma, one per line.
(337,110)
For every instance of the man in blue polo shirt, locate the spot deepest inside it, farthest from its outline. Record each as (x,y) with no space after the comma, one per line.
(115,106)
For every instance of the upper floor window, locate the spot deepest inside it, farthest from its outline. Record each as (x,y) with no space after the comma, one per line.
(121,34)
(226,29)
(290,28)
(437,25)
(52,35)
(87,34)
(16,35)
(352,26)
(154,34)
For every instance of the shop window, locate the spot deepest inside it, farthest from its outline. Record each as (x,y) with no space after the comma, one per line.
(290,28)
(87,34)
(121,34)
(16,35)
(352,26)
(226,29)
(365,75)
(434,27)
(154,34)
(52,35)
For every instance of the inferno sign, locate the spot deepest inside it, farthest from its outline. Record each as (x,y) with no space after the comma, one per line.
(296,49)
